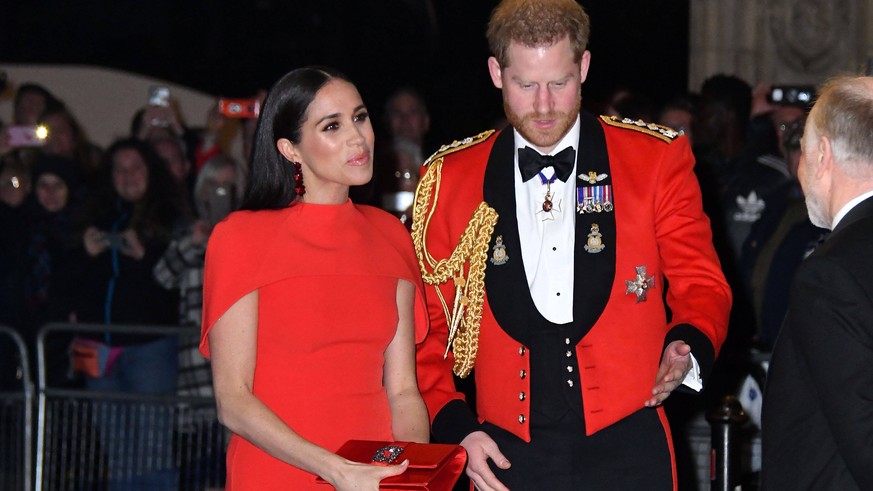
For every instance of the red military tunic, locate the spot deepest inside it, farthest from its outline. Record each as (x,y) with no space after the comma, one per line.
(657,222)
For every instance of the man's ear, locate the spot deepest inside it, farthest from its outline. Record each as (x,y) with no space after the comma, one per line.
(496,72)
(825,157)
(584,64)
(288,150)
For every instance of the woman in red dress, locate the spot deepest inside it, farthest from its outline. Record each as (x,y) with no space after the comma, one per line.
(312,304)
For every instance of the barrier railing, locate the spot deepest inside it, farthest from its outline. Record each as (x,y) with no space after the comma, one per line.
(87,439)
(16,413)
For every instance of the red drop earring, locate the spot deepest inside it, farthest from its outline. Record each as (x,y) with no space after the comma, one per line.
(299,188)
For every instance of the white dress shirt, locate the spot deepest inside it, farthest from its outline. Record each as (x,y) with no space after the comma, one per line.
(547,238)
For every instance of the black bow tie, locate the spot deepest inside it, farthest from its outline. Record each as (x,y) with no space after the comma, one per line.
(531,162)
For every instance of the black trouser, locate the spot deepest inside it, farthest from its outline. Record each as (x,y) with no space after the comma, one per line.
(632,454)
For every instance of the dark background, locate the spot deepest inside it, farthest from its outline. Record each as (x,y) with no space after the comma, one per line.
(231,48)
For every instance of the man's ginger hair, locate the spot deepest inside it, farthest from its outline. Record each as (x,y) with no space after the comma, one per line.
(535,23)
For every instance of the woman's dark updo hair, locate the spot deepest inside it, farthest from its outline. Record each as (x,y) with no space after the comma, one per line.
(271,175)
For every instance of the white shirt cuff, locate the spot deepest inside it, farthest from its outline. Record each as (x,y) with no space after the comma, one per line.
(693,380)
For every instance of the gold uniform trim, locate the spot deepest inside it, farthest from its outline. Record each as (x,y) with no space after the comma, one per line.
(465,313)
(458,145)
(658,131)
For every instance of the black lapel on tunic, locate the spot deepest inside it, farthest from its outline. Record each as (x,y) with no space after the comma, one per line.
(506,284)
(593,273)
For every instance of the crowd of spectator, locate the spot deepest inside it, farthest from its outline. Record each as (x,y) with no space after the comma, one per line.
(96,235)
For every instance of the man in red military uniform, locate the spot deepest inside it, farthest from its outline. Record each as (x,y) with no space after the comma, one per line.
(546,247)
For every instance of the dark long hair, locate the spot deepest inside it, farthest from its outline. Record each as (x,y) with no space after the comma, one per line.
(162,208)
(271,175)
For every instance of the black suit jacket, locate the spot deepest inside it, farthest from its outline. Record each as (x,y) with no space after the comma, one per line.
(818,404)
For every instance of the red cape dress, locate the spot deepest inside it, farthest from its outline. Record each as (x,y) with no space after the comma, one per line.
(327,278)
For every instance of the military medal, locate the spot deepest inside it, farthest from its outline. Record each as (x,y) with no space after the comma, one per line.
(547,201)
(595,240)
(641,284)
(594,199)
(498,254)
(548,205)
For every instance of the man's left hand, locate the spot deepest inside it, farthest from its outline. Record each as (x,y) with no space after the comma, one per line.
(675,365)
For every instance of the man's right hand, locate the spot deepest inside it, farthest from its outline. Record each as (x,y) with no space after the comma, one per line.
(480,447)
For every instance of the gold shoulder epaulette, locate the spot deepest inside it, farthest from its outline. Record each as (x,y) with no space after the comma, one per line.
(458,145)
(658,131)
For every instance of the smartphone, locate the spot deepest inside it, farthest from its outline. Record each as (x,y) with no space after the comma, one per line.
(114,240)
(27,136)
(219,204)
(159,96)
(239,108)
(792,95)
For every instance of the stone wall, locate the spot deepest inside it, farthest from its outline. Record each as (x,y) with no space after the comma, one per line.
(779,41)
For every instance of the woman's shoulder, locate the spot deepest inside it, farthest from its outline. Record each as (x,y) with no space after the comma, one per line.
(246,227)
(248,220)
(382,219)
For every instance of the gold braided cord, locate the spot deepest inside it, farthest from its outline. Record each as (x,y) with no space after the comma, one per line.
(472,249)
(466,343)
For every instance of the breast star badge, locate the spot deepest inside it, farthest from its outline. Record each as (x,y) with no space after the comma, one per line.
(641,284)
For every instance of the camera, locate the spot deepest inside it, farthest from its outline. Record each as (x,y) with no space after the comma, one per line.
(27,136)
(792,95)
(159,96)
(239,108)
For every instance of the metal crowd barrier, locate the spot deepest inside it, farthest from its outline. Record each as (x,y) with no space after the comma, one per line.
(16,413)
(91,440)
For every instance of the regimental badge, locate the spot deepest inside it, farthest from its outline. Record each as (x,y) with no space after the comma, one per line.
(592,177)
(594,199)
(498,254)
(595,240)
(641,284)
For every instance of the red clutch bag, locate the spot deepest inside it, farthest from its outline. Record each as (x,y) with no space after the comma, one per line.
(432,466)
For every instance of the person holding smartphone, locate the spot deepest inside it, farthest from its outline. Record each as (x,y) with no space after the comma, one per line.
(129,225)
(217,192)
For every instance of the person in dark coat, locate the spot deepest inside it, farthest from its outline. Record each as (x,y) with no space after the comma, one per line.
(817,426)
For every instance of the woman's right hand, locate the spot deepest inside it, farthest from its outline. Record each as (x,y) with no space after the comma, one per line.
(355,476)
(94,241)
